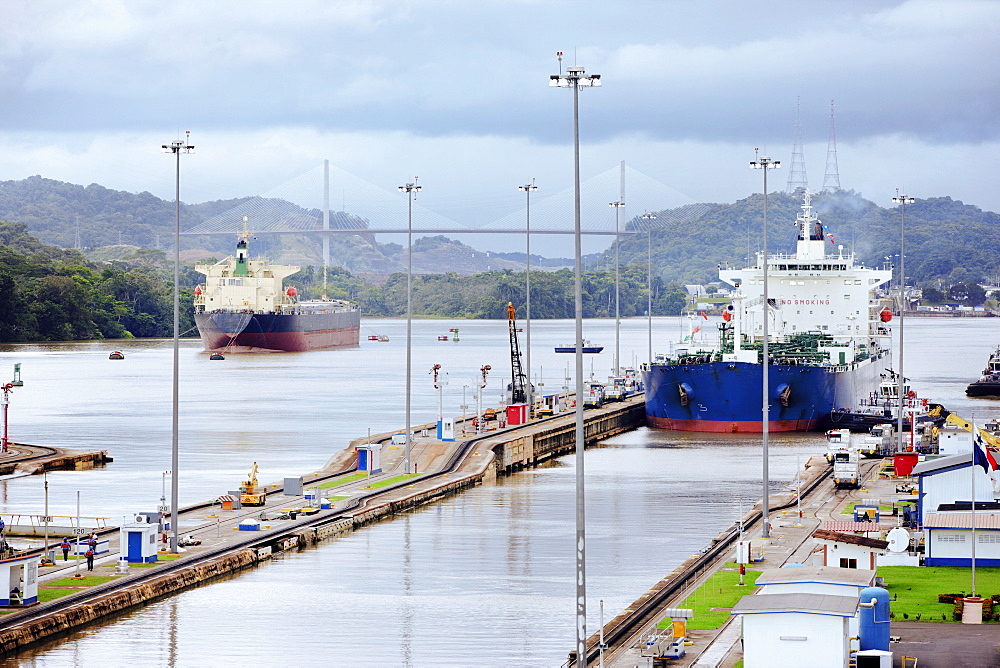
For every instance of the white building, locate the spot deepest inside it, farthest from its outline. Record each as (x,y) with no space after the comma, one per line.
(949,539)
(846,550)
(947,480)
(815,580)
(796,629)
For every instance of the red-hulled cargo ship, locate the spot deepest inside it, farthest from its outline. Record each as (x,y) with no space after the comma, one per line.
(242,307)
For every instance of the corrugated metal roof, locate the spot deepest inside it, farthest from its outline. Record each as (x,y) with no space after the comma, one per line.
(819,574)
(850,538)
(938,463)
(846,525)
(987,521)
(817,604)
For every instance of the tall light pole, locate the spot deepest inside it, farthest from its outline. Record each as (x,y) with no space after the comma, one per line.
(765,164)
(649,218)
(176,147)
(527,189)
(902,201)
(411,190)
(575,78)
(618,205)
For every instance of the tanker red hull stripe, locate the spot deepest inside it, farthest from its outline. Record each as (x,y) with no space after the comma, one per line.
(730,426)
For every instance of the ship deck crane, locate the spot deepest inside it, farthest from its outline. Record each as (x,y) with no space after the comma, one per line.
(518,384)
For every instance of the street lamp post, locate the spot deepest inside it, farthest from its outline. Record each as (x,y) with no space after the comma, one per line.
(575,78)
(411,190)
(176,147)
(765,164)
(439,386)
(902,201)
(618,205)
(649,218)
(527,189)
(163,500)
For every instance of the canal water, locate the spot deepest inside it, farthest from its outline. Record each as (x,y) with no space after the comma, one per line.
(483,578)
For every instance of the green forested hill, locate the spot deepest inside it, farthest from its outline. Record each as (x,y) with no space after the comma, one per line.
(945,239)
(50,294)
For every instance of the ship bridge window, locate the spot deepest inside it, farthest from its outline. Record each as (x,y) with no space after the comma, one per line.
(234,281)
(857,282)
(845,297)
(782,267)
(847,281)
(817,267)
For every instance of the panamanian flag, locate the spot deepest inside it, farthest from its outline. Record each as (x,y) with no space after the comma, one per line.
(981,455)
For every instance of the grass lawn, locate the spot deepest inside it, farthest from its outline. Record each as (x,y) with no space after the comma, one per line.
(392,481)
(46,594)
(343,481)
(849,509)
(916,589)
(721,590)
(85,581)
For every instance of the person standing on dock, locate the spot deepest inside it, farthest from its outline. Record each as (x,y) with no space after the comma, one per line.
(65,548)
(90,559)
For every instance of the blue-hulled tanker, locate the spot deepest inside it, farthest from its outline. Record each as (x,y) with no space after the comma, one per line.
(828,344)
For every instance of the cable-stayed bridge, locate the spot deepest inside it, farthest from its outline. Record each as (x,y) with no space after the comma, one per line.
(296,206)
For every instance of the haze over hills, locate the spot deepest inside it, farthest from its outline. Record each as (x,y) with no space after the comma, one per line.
(946,239)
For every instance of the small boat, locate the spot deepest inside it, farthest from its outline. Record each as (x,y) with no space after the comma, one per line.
(216,356)
(881,407)
(588,347)
(382,338)
(442,338)
(116,355)
(373,337)
(988,384)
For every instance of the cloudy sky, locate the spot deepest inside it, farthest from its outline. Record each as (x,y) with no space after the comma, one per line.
(457,92)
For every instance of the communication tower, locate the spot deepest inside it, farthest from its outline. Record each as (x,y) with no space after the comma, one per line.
(797,172)
(831,179)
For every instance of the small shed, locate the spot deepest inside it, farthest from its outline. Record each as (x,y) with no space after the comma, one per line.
(780,630)
(949,539)
(138,542)
(945,480)
(847,550)
(21,577)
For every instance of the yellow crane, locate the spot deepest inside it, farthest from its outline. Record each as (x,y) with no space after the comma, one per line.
(250,494)
(988,437)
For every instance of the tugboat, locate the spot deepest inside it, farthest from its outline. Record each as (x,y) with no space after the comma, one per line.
(881,407)
(988,384)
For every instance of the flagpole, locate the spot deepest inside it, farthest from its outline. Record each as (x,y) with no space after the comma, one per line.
(975,450)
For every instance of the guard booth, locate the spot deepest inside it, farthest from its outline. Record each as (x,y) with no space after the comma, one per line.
(370,457)
(21,577)
(446,429)
(517,414)
(138,543)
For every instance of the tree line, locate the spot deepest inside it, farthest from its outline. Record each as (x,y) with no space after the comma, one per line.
(51,294)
